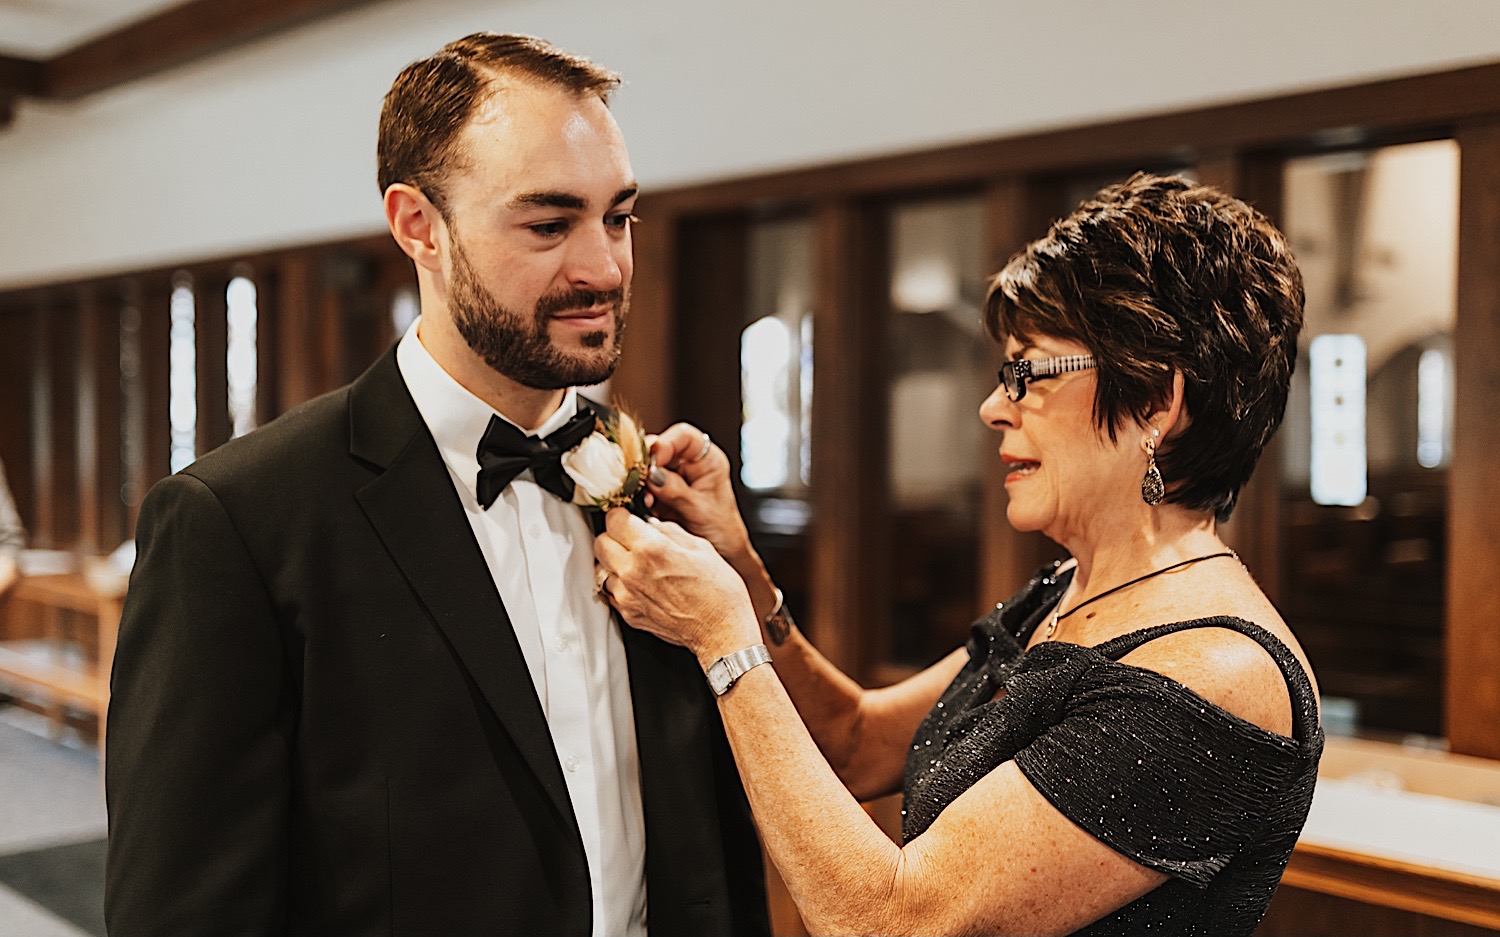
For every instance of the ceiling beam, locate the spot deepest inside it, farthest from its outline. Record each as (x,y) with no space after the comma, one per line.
(179,34)
(22,77)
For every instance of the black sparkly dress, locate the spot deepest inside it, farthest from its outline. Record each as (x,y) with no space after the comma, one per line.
(1138,760)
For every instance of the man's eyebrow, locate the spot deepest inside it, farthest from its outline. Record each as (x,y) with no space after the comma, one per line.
(549,200)
(565,200)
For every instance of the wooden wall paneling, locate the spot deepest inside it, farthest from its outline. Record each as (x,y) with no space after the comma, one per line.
(211,323)
(297,378)
(108,418)
(267,346)
(1254,530)
(364,318)
(180,33)
(645,382)
(328,323)
(86,424)
(1007,557)
(712,287)
(1473,590)
(17,370)
(849,537)
(156,332)
(1298,912)
(1398,110)
(133,381)
(393,272)
(62,364)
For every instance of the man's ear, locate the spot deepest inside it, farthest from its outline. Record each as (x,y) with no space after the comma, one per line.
(416,224)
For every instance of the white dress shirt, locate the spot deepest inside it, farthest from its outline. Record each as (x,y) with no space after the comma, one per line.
(540,553)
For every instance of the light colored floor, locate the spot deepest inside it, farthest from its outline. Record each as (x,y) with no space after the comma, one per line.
(52,794)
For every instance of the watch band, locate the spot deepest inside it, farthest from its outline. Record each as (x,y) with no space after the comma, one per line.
(723,672)
(778,624)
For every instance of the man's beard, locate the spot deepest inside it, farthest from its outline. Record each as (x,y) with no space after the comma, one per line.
(521,349)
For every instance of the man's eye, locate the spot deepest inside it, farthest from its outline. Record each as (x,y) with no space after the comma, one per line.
(622,220)
(549,229)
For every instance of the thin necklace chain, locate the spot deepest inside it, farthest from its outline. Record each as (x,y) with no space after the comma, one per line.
(1052,623)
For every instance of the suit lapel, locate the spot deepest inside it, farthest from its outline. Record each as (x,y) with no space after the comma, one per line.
(417,515)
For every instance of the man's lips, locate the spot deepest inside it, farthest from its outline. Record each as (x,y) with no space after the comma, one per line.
(591,316)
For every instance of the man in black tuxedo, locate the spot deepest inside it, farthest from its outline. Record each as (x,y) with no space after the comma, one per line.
(365,686)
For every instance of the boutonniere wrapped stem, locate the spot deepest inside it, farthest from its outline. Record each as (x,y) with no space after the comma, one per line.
(609,466)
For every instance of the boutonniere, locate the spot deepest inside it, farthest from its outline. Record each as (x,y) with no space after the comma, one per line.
(609,466)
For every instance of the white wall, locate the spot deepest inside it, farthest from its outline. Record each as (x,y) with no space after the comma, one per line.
(273,143)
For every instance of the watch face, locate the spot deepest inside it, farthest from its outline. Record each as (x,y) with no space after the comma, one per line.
(718,677)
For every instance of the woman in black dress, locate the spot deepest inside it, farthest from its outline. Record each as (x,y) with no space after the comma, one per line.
(1127,746)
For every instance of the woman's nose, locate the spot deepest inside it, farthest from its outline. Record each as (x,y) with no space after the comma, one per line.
(998,411)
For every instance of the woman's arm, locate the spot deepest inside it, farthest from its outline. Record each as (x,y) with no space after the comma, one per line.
(862,733)
(999,859)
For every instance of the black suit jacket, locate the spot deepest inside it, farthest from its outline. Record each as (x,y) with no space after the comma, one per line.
(322,723)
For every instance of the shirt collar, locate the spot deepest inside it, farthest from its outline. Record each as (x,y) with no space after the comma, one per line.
(456,418)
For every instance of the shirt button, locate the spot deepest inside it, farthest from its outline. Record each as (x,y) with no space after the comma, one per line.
(572,763)
(534,531)
(564,645)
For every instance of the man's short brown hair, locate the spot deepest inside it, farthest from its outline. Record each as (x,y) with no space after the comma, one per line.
(433,99)
(1159,275)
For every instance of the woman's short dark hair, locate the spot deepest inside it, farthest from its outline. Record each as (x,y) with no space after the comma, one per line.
(433,100)
(1157,275)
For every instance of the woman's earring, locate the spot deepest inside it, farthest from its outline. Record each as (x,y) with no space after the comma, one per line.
(1152,489)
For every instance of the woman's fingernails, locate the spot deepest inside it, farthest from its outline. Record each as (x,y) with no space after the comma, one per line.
(657,476)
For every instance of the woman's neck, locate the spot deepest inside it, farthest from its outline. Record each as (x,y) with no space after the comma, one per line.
(1114,553)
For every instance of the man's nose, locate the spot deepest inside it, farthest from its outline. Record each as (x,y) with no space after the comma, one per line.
(594,261)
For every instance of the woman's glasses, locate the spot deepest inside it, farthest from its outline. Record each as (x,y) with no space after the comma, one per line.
(1015,374)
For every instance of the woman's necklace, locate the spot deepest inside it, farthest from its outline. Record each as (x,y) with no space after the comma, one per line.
(1052,624)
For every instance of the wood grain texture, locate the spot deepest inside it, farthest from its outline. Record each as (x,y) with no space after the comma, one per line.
(849,455)
(1400,109)
(1389,883)
(645,381)
(176,35)
(1254,530)
(1473,590)
(1008,558)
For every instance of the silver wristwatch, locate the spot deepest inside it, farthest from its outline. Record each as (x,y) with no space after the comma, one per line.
(723,672)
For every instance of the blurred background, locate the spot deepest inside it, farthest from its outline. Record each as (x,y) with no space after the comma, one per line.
(192,243)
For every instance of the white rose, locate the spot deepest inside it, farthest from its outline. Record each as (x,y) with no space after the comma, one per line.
(597,467)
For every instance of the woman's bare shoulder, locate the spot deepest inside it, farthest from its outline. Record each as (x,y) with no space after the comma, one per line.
(1228,668)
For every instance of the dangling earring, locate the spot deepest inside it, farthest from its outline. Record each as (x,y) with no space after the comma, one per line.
(1152,489)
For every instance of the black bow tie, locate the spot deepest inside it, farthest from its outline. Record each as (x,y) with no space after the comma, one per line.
(505,452)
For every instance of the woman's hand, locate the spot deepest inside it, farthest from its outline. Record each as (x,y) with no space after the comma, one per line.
(691,486)
(666,581)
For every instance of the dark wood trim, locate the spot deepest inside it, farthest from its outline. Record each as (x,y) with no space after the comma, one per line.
(176,35)
(62,371)
(85,380)
(1389,883)
(20,77)
(109,421)
(1255,527)
(211,324)
(1473,592)
(1400,109)
(156,356)
(290,301)
(643,381)
(712,289)
(1007,557)
(850,451)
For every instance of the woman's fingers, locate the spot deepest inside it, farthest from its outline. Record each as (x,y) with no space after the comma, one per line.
(676,443)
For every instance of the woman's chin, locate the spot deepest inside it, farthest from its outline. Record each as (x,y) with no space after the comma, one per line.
(1022,519)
